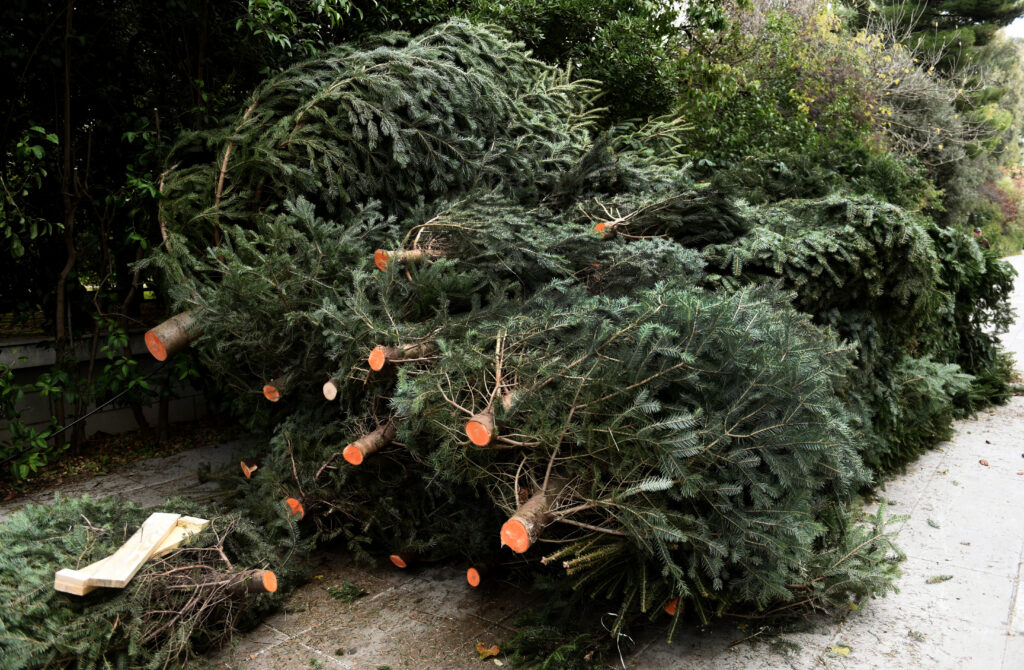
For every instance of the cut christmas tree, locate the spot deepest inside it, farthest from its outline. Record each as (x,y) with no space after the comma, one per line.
(484,324)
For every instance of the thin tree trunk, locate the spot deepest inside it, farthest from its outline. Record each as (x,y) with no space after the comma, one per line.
(71,196)
(163,424)
(140,417)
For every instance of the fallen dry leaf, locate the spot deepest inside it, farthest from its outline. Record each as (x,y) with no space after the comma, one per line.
(485,651)
(984,462)
(840,649)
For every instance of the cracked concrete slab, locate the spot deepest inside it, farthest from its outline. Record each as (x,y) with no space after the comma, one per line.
(427,618)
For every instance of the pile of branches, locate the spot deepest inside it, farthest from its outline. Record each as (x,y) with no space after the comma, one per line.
(472,320)
(191,599)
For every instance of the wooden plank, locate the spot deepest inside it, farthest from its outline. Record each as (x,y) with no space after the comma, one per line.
(76,582)
(79,582)
(126,561)
(185,528)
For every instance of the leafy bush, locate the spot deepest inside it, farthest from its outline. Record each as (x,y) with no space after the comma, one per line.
(795,85)
(28,449)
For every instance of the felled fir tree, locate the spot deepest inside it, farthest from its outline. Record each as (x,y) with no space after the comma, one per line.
(476,322)
(222,580)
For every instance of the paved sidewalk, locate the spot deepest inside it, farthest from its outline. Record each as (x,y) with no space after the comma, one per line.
(146,483)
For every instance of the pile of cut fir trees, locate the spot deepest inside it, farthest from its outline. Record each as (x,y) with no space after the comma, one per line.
(482,329)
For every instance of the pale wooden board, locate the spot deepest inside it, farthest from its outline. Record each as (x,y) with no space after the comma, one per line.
(77,582)
(185,528)
(122,565)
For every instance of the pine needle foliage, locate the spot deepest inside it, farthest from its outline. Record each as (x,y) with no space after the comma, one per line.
(910,296)
(689,384)
(701,448)
(173,608)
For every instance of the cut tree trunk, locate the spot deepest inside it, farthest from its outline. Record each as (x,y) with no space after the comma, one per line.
(171,336)
(369,443)
(524,528)
(275,389)
(403,559)
(252,581)
(249,467)
(475,574)
(607,231)
(381,355)
(480,428)
(383,258)
(296,507)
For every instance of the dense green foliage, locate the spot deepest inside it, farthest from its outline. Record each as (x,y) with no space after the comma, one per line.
(698,429)
(170,610)
(698,334)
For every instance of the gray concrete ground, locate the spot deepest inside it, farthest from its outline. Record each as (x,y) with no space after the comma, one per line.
(146,483)
(966,522)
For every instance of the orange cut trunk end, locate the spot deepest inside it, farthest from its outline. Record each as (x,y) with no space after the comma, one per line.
(381,355)
(670,609)
(276,388)
(155,346)
(605,231)
(515,536)
(377,358)
(526,525)
(369,443)
(330,390)
(353,455)
(251,581)
(249,468)
(295,507)
(480,429)
(384,259)
(402,561)
(171,336)
(473,577)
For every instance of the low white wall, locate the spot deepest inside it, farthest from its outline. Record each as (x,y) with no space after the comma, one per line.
(30,356)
